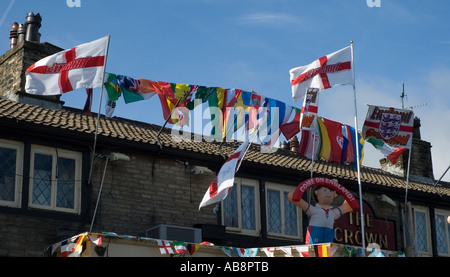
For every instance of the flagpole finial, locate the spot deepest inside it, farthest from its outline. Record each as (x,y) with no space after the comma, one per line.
(351,42)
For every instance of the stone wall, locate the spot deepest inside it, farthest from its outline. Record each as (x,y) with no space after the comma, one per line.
(134,198)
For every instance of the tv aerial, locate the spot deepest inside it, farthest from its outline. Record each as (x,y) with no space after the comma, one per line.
(404,95)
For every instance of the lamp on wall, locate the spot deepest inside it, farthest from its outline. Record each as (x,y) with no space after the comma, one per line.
(201,170)
(113,156)
(386,199)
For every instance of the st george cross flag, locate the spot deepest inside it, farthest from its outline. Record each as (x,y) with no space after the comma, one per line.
(310,140)
(79,67)
(329,71)
(164,247)
(219,188)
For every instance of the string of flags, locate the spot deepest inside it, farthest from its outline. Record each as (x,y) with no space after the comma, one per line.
(242,109)
(84,67)
(74,247)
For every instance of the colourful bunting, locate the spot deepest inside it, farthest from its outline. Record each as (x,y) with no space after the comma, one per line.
(73,247)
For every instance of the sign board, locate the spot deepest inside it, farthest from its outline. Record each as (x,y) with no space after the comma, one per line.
(380,231)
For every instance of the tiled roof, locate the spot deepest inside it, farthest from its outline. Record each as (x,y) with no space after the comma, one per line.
(76,121)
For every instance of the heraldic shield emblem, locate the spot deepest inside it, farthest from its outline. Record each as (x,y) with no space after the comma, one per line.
(389,125)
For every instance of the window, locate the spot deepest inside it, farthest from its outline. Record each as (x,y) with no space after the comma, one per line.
(240,212)
(422,233)
(442,232)
(283,217)
(55,179)
(11,154)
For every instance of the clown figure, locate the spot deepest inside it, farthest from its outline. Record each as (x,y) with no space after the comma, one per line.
(322,215)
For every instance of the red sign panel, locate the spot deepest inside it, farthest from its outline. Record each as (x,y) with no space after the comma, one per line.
(348,230)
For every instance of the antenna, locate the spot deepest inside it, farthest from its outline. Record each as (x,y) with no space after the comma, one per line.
(417,106)
(403,95)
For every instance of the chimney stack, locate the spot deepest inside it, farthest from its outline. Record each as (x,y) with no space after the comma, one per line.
(33,23)
(13,34)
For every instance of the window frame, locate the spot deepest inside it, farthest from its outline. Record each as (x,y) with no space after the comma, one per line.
(283,189)
(424,210)
(19,147)
(238,183)
(56,153)
(445,214)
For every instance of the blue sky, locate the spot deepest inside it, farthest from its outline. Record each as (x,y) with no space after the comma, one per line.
(252,45)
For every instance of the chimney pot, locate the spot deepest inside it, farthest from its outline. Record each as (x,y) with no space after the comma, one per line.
(33,23)
(13,34)
(294,144)
(21,31)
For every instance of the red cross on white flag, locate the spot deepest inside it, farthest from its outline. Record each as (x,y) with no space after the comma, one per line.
(79,67)
(329,71)
(164,247)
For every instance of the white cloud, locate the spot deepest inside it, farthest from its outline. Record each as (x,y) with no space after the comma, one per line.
(272,19)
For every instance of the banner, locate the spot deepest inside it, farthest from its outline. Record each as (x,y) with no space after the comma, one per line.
(391,125)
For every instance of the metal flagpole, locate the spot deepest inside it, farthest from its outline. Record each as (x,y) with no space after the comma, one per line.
(407,175)
(99,110)
(434,186)
(357,153)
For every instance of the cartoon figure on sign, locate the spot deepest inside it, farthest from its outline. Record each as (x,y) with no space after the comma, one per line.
(323,215)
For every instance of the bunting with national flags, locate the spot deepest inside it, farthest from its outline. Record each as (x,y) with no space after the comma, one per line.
(80,67)
(391,125)
(337,143)
(173,96)
(326,72)
(231,110)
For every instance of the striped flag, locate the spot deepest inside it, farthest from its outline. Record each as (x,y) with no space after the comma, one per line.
(391,153)
(180,247)
(79,67)
(64,250)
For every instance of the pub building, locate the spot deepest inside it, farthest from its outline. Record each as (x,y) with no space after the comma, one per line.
(145,187)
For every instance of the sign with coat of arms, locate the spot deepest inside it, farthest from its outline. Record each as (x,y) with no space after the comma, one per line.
(393,126)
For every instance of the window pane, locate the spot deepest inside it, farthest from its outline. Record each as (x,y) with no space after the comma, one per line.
(248,207)
(65,192)
(421,232)
(274,211)
(230,210)
(7,174)
(290,217)
(441,234)
(42,179)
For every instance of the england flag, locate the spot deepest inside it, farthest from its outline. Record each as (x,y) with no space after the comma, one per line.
(79,67)
(329,71)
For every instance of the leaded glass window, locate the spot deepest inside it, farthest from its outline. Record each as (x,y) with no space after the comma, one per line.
(240,207)
(8,160)
(442,232)
(282,216)
(11,155)
(421,231)
(55,179)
